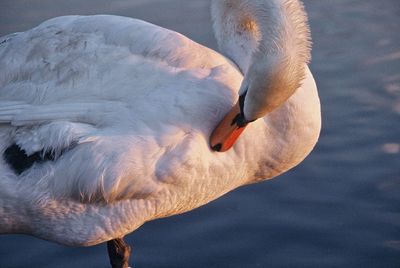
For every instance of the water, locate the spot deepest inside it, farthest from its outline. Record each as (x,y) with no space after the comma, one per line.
(339,208)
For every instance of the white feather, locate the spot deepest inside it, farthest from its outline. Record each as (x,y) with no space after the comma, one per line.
(128,108)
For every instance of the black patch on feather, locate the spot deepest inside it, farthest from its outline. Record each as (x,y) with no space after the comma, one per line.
(20,161)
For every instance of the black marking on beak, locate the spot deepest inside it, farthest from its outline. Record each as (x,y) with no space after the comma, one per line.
(217,147)
(239,119)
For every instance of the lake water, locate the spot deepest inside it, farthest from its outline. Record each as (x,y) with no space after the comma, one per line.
(339,208)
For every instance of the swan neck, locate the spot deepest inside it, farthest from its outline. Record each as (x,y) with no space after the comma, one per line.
(270,42)
(245,29)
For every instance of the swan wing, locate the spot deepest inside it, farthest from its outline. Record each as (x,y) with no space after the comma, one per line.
(23,114)
(120,100)
(91,161)
(53,128)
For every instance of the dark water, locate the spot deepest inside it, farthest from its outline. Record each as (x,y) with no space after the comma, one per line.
(339,208)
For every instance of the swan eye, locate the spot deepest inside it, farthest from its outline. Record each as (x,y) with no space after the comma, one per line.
(250,27)
(249,24)
(19,161)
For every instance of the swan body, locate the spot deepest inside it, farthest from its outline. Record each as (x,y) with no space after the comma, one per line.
(126,109)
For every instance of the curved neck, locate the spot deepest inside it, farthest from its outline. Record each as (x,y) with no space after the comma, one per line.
(270,42)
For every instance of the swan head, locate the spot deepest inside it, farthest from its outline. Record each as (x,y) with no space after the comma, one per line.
(270,42)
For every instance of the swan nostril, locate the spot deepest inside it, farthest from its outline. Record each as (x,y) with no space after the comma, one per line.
(240,121)
(217,147)
(236,119)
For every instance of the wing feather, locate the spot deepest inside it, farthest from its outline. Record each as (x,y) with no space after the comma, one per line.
(22,114)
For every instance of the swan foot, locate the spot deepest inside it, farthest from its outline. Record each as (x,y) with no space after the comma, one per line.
(119,253)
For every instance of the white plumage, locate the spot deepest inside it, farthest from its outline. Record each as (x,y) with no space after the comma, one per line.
(127,109)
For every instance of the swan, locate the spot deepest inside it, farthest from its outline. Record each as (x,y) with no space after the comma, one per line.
(108,122)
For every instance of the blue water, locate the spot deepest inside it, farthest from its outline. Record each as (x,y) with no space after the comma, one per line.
(339,208)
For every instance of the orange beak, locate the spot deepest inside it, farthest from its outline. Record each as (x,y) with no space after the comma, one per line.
(227,131)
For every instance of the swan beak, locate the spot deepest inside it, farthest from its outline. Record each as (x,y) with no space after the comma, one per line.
(228,130)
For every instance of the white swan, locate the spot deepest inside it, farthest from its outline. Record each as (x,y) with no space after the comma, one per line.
(116,114)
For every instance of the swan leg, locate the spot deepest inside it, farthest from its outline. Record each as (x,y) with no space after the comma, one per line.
(119,253)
